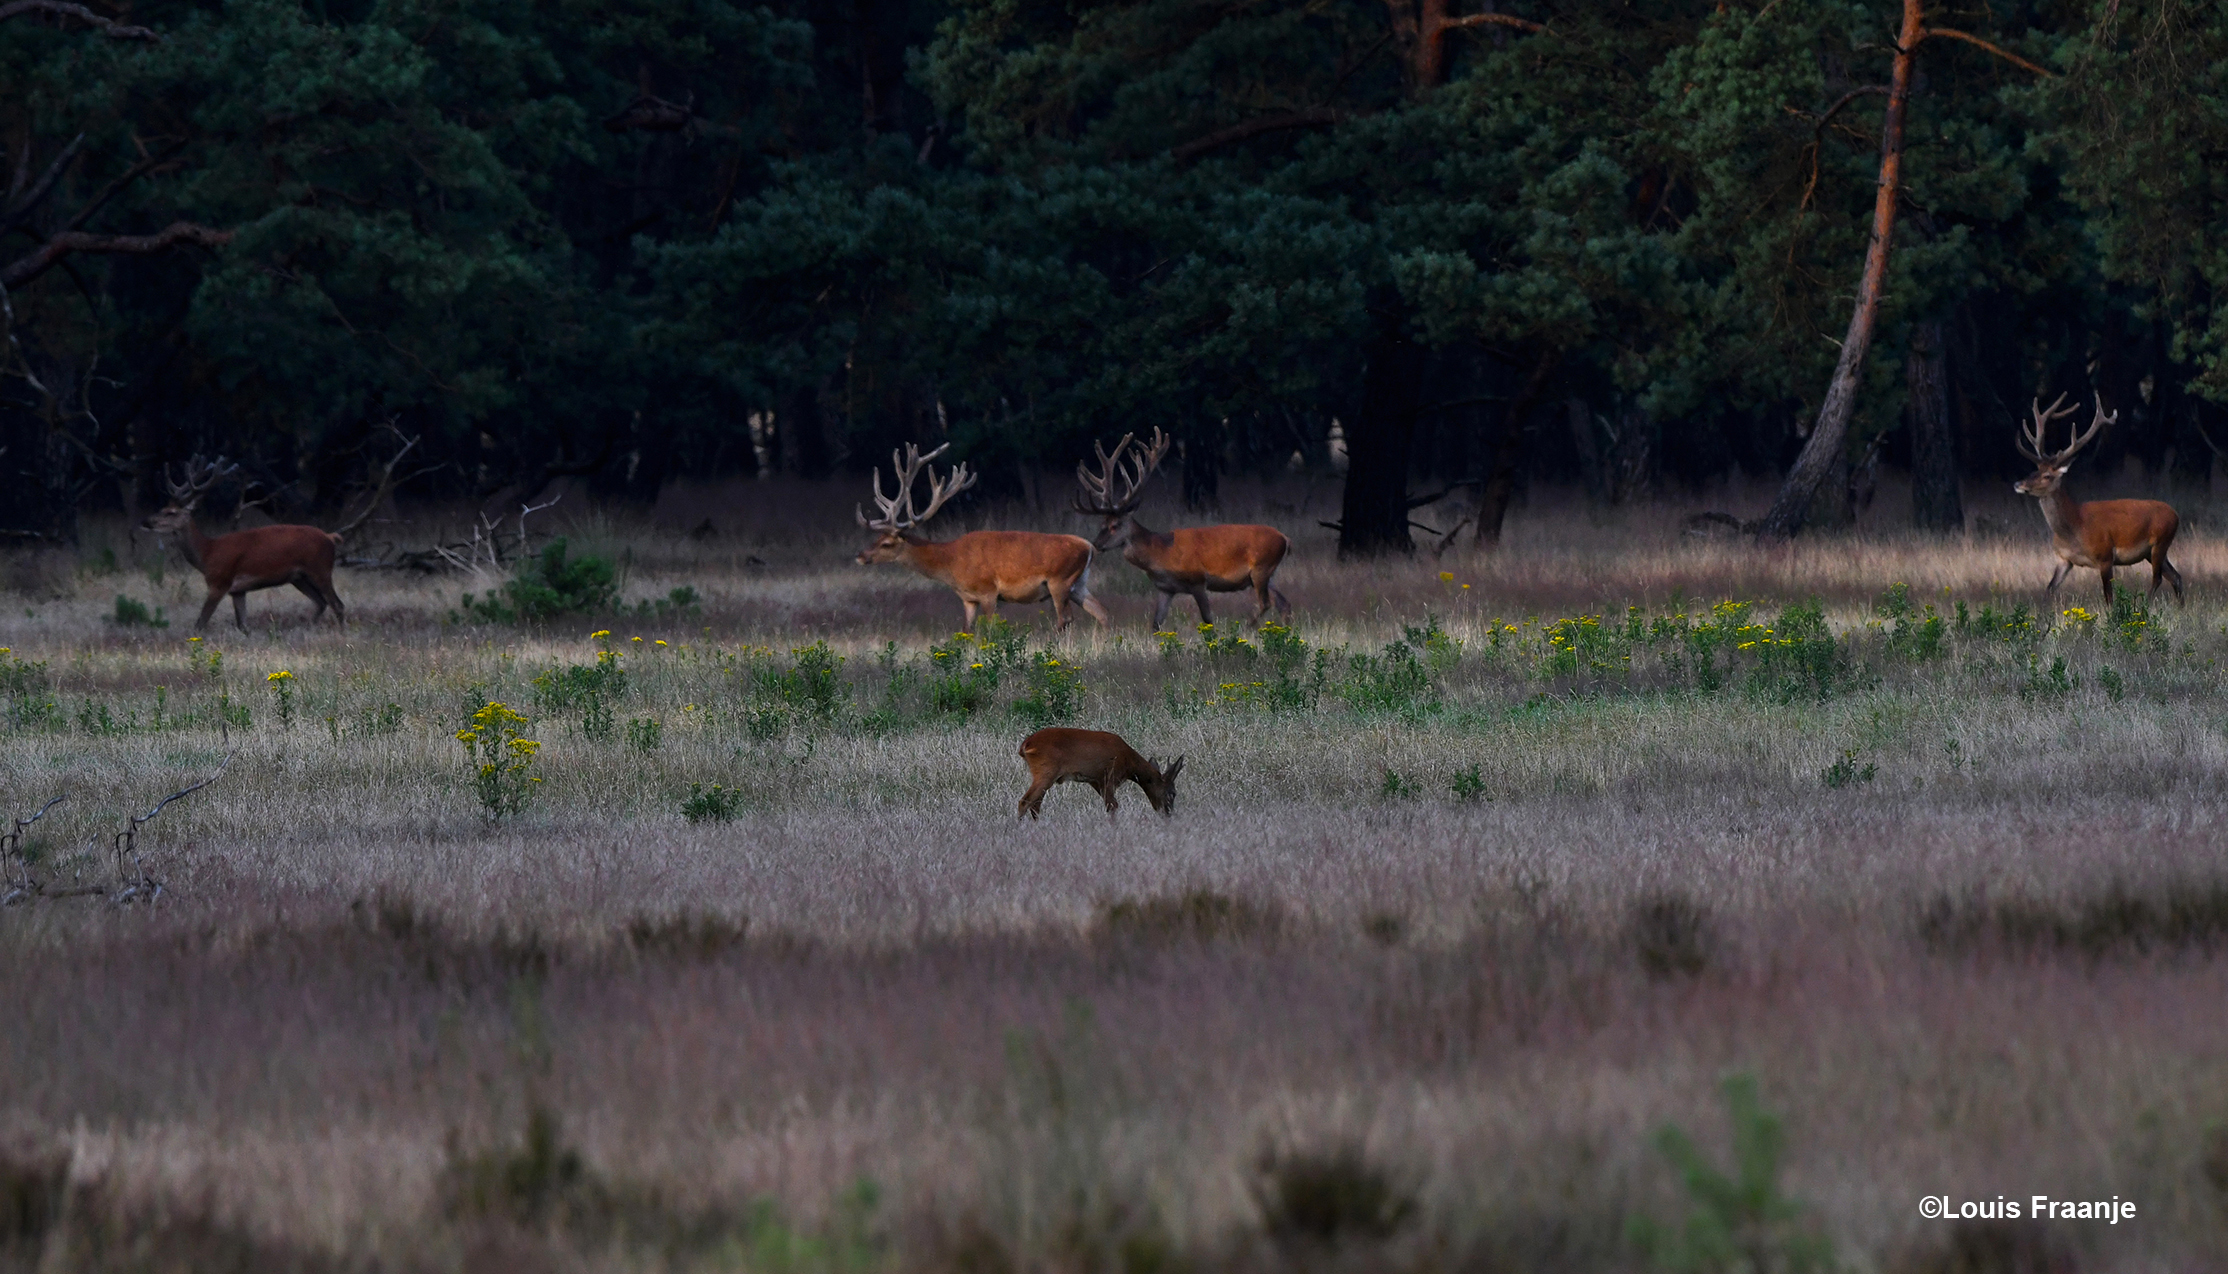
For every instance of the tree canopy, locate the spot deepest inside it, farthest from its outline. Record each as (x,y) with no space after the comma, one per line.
(1605,241)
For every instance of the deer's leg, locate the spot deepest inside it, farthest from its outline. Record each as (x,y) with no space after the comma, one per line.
(2050,590)
(1106,789)
(1283,607)
(240,609)
(307,589)
(1059,595)
(1032,801)
(2105,571)
(2174,577)
(1092,607)
(1199,595)
(340,611)
(1260,598)
(969,603)
(1161,602)
(208,608)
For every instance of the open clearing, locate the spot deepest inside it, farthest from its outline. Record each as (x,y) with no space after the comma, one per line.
(1467,896)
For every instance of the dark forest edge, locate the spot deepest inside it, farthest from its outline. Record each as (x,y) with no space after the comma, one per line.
(1582,241)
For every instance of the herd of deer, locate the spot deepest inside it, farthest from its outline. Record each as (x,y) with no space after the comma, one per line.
(988,567)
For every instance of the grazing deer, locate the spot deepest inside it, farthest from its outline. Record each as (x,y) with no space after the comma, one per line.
(1063,755)
(2102,534)
(983,567)
(1197,560)
(240,563)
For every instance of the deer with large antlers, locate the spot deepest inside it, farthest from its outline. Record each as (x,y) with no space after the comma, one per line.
(2101,534)
(244,561)
(983,567)
(1197,560)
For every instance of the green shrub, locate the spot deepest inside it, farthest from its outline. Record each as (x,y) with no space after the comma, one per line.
(1395,681)
(553,585)
(134,614)
(1054,693)
(1916,632)
(645,735)
(678,603)
(714,804)
(25,685)
(1396,787)
(811,686)
(1737,1221)
(1469,785)
(572,685)
(1845,771)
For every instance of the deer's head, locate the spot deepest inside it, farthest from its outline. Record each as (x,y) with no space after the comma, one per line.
(1113,492)
(176,517)
(2051,466)
(899,518)
(1160,789)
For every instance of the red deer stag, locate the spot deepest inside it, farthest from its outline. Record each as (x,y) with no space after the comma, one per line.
(1197,560)
(240,563)
(983,567)
(1063,755)
(2102,534)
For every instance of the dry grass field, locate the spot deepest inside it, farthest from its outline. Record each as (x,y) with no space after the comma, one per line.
(1483,876)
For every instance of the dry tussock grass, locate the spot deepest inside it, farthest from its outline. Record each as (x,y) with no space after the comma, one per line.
(367,1028)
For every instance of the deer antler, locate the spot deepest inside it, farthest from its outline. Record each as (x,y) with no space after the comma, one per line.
(2097,421)
(1129,467)
(201,476)
(898,513)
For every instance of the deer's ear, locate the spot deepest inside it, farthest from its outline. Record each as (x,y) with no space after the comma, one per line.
(1175,768)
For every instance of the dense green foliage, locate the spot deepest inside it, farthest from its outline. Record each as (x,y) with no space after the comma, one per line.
(629,240)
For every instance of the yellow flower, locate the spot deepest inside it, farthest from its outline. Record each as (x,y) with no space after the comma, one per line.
(467,738)
(1446,577)
(525,747)
(974,665)
(1465,586)
(634,639)
(189,641)
(661,641)
(281,675)
(597,635)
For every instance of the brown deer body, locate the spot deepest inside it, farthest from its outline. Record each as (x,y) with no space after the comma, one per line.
(240,563)
(983,567)
(2100,535)
(1196,560)
(1064,755)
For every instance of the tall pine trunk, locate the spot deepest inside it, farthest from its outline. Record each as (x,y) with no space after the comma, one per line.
(1821,455)
(1935,502)
(1500,482)
(1373,516)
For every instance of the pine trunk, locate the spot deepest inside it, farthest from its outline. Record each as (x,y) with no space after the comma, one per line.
(1373,517)
(1935,501)
(1821,455)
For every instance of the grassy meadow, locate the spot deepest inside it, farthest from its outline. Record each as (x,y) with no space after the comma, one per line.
(1626,900)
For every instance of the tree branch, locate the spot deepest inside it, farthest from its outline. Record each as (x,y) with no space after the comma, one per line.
(1314,117)
(39,189)
(110,191)
(109,27)
(1818,136)
(52,252)
(1974,40)
(1495,20)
